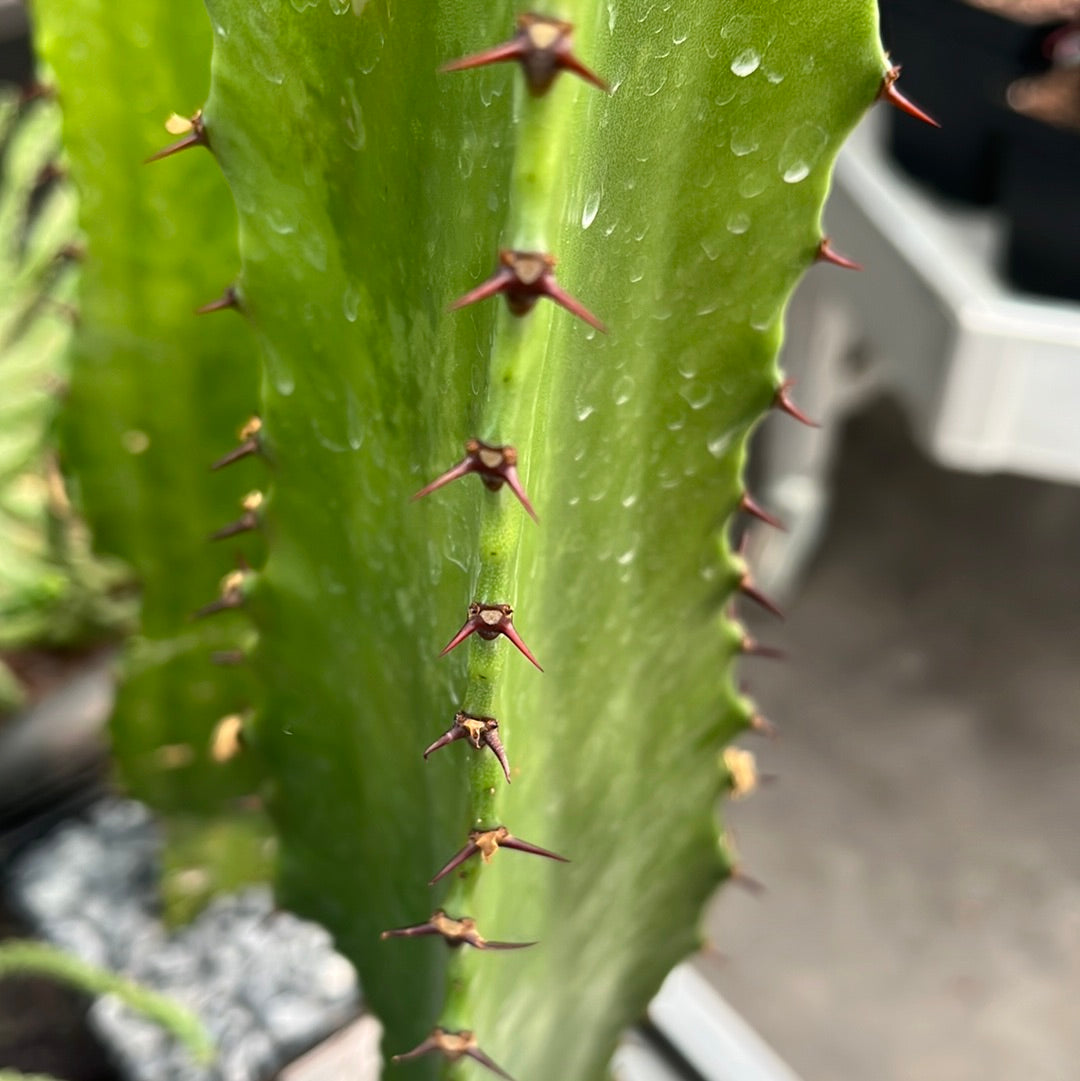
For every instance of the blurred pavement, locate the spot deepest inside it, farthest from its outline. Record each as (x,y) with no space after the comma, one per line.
(921,848)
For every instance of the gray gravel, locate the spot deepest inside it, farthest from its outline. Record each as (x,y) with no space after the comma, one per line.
(266,984)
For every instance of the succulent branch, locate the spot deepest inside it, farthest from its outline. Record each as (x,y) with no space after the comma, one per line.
(576,266)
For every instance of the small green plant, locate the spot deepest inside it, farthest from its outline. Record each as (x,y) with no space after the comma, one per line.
(26,958)
(53,593)
(674,158)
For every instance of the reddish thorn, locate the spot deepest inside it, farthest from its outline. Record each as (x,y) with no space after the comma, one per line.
(228,299)
(575,307)
(492,740)
(481,732)
(417,931)
(468,628)
(424,1048)
(893,96)
(497,283)
(509,50)
(452,736)
(456,861)
(783,402)
(532,850)
(751,647)
(524,277)
(749,506)
(748,882)
(570,62)
(513,482)
(827,254)
(478,1056)
(543,46)
(232,594)
(755,594)
(220,605)
(453,1045)
(512,634)
(762,726)
(195,137)
(455,932)
(490,620)
(459,470)
(249,446)
(496,466)
(245,524)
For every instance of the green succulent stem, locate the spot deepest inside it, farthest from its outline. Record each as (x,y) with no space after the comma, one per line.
(370,191)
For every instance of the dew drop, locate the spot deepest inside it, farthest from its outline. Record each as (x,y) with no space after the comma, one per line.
(743,143)
(592,207)
(303,5)
(801,151)
(278,370)
(350,302)
(738,223)
(697,395)
(341,7)
(627,557)
(623,389)
(712,247)
(746,63)
(719,443)
(352,117)
(354,421)
(583,412)
(753,184)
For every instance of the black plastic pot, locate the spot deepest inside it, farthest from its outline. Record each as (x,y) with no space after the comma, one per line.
(958,62)
(1040,194)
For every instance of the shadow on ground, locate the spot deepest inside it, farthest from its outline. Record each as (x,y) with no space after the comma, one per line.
(921,848)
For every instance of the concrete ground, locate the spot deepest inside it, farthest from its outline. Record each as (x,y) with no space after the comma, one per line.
(921,847)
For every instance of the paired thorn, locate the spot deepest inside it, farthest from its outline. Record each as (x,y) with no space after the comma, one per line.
(827,254)
(495,466)
(229,299)
(481,732)
(233,589)
(523,278)
(452,1046)
(750,506)
(489,621)
(544,48)
(191,128)
(889,93)
(248,521)
(456,933)
(249,444)
(783,402)
(487,843)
